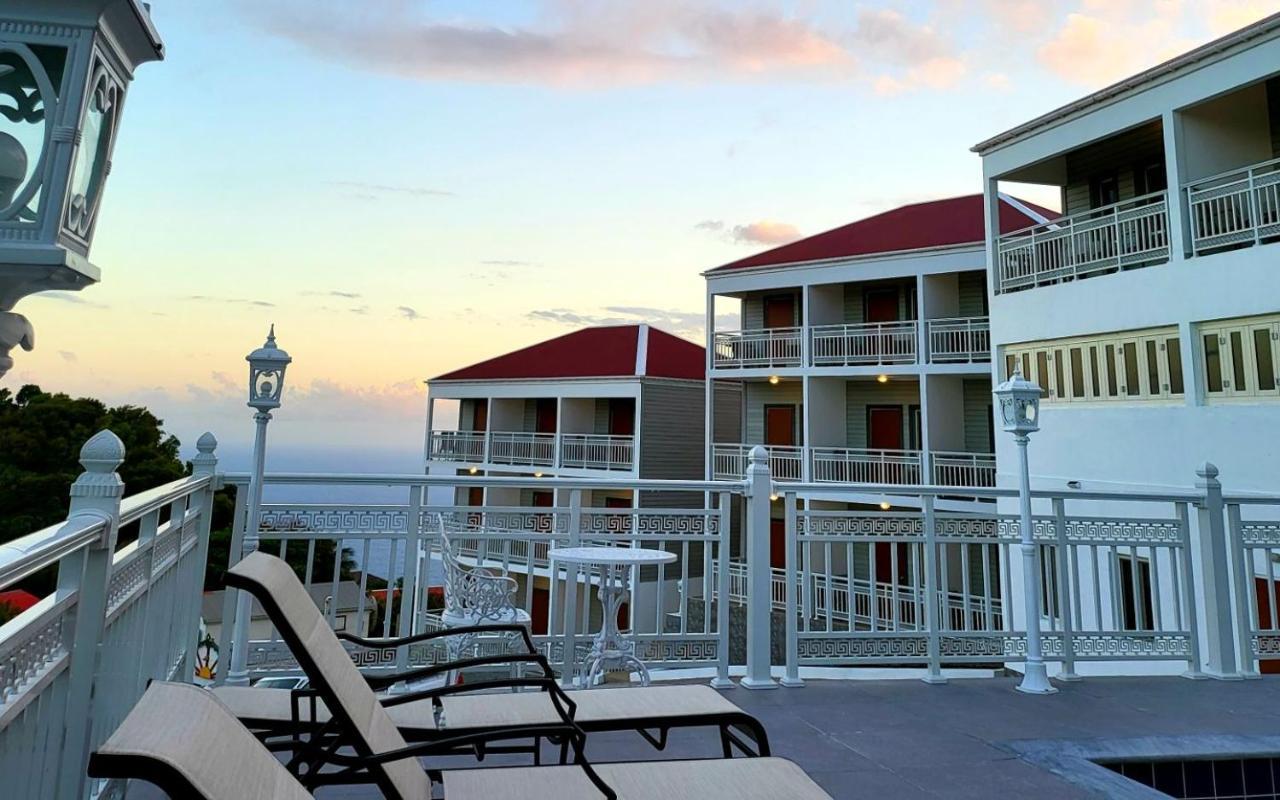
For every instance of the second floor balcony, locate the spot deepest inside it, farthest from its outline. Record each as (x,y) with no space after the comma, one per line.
(860,465)
(1118,236)
(953,340)
(1241,207)
(529,449)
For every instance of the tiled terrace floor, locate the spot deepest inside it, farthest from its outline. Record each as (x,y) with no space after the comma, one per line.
(904,739)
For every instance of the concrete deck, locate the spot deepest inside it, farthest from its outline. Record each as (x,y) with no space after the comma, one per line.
(975,738)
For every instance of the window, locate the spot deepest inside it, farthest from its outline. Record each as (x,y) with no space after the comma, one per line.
(1104,190)
(1133,366)
(1240,358)
(1134,588)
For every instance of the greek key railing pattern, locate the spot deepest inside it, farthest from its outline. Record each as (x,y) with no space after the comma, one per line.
(1235,208)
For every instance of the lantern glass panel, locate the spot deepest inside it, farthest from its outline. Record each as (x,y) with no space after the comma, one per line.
(30,76)
(97,129)
(266,385)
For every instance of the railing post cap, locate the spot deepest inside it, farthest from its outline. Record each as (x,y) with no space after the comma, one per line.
(102,453)
(207,442)
(1208,471)
(100,457)
(758,455)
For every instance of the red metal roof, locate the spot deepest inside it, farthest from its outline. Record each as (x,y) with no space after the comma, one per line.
(937,223)
(603,352)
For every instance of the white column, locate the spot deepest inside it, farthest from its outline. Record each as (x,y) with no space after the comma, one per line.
(709,393)
(1179,221)
(205,463)
(759,573)
(1035,680)
(431,412)
(1219,654)
(239,672)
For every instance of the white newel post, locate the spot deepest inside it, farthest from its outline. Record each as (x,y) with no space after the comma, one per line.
(96,493)
(1219,654)
(204,463)
(759,487)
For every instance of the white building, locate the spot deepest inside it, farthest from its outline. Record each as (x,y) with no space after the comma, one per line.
(863,351)
(620,401)
(1150,312)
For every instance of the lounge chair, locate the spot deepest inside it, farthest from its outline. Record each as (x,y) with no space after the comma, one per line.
(185,741)
(447,712)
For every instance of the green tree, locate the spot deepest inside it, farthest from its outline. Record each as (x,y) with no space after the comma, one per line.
(40,439)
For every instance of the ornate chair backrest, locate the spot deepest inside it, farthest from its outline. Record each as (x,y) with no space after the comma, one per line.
(481,594)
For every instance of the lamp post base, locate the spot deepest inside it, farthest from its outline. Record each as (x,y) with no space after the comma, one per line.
(1036,681)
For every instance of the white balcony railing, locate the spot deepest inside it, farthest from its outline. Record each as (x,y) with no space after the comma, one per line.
(963,469)
(522,449)
(766,347)
(960,340)
(856,465)
(729,461)
(1126,234)
(595,451)
(867,344)
(1235,208)
(464,446)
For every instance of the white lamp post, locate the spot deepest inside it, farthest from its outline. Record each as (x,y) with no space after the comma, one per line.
(64,71)
(1019,403)
(266,383)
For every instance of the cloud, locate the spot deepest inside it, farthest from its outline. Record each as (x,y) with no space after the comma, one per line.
(334,293)
(691,324)
(1094,45)
(70,297)
(507,262)
(766,232)
(370,189)
(68,356)
(204,298)
(408,313)
(569,43)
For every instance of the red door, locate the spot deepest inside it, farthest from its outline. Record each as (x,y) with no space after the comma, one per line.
(884,427)
(480,419)
(780,311)
(617,502)
(1267,593)
(778,543)
(545,415)
(475,498)
(540,603)
(622,416)
(544,523)
(780,425)
(880,305)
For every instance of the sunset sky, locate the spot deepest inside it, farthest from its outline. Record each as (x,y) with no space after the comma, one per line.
(404,187)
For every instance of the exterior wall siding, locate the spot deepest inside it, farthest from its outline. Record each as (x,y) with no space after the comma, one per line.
(977,415)
(728,412)
(530,421)
(753,308)
(972,287)
(860,394)
(600,425)
(759,394)
(466,414)
(1119,154)
(671,430)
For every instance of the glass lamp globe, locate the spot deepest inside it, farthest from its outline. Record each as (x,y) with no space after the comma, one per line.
(1019,402)
(266,374)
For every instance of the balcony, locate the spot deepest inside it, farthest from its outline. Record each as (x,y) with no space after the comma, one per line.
(525,449)
(762,348)
(866,344)
(856,591)
(1122,235)
(959,340)
(860,465)
(1237,208)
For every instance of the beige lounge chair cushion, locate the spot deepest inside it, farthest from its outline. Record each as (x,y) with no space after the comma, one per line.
(299,617)
(718,779)
(184,727)
(267,707)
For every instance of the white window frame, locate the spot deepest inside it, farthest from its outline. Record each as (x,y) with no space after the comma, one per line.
(1247,356)
(1094,358)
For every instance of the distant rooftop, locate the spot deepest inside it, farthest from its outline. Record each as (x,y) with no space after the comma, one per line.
(936,223)
(614,351)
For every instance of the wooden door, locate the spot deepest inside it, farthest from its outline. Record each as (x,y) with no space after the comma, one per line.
(778,543)
(780,311)
(622,416)
(475,499)
(480,418)
(545,415)
(617,502)
(540,605)
(542,499)
(1267,593)
(780,425)
(884,427)
(880,305)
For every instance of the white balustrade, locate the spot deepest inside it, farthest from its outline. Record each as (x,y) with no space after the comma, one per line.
(522,449)
(863,465)
(761,348)
(597,451)
(729,461)
(1122,235)
(866,344)
(961,340)
(464,446)
(1240,207)
(963,469)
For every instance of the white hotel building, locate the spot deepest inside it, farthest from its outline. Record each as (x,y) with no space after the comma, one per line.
(864,353)
(1150,311)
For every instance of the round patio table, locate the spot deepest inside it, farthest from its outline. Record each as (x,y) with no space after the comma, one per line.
(610,647)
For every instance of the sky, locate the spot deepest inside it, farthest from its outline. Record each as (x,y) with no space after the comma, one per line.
(404,187)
